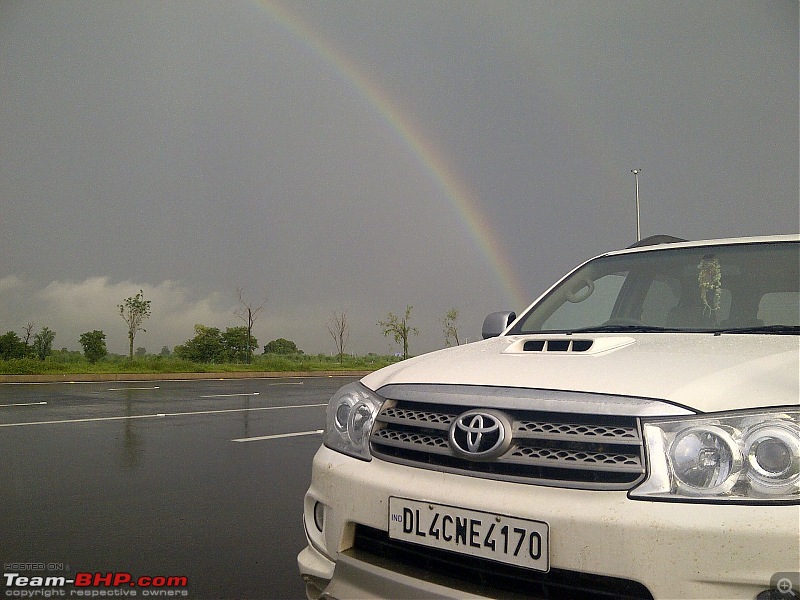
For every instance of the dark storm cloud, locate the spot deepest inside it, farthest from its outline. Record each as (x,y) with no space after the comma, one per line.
(188,149)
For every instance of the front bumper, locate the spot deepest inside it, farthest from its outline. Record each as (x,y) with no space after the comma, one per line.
(675,550)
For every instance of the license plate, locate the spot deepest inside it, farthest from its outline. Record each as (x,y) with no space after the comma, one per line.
(501,538)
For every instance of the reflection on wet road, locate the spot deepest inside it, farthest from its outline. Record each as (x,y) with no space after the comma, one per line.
(202,479)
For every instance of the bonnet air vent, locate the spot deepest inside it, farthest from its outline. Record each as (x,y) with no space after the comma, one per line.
(557,345)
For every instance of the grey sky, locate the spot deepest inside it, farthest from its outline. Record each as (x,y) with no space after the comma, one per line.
(326,153)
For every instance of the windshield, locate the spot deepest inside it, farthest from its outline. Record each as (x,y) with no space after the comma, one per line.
(749,288)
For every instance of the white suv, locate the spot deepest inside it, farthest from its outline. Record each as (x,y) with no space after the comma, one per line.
(635,433)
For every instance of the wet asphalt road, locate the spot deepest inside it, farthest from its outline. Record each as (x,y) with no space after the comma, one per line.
(146,478)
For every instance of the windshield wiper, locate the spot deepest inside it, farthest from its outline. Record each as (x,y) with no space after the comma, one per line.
(762,329)
(773,329)
(626,329)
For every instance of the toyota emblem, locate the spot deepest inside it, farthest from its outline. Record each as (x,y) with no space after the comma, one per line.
(480,435)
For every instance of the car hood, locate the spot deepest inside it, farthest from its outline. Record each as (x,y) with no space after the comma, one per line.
(704,372)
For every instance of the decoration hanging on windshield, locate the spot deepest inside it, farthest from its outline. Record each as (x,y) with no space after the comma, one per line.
(710,280)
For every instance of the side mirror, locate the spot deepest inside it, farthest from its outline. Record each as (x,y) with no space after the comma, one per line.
(496,323)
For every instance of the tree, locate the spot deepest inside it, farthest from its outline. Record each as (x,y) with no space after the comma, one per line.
(94,345)
(239,344)
(205,347)
(11,346)
(28,333)
(281,346)
(141,351)
(450,328)
(339,329)
(164,351)
(43,343)
(135,310)
(399,328)
(249,314)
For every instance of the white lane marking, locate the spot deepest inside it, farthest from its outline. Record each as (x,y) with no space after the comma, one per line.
(25,404)
(279,436)
(229,395)
(178,414)
(132,388)
(79,420)
(190,380)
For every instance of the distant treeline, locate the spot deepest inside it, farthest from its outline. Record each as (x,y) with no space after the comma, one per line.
(33,353)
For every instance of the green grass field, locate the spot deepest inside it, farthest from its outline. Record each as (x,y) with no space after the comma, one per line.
(74,362)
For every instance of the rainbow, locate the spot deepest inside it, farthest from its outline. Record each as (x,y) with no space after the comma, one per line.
(430,157)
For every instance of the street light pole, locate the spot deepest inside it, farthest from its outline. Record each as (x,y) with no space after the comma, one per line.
(636,178)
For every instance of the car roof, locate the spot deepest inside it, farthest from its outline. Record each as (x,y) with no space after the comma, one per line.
(656,243)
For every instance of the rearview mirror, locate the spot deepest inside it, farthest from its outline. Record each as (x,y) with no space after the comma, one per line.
(496,323)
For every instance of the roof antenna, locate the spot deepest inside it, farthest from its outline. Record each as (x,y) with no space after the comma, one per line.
(638,229)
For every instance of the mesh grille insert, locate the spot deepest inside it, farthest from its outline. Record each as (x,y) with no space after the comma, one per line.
(588,451)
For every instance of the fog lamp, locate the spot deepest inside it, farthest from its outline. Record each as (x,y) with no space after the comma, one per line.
(319,516)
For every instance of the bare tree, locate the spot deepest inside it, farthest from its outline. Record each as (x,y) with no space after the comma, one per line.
(134,310)
(28,333)
(399,329)
(249,313)
(450,328)
(339,329)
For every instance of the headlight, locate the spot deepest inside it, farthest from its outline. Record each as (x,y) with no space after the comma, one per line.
(350,415)
(745,457)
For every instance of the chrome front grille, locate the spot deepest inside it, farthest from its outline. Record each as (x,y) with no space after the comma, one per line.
(588,450)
